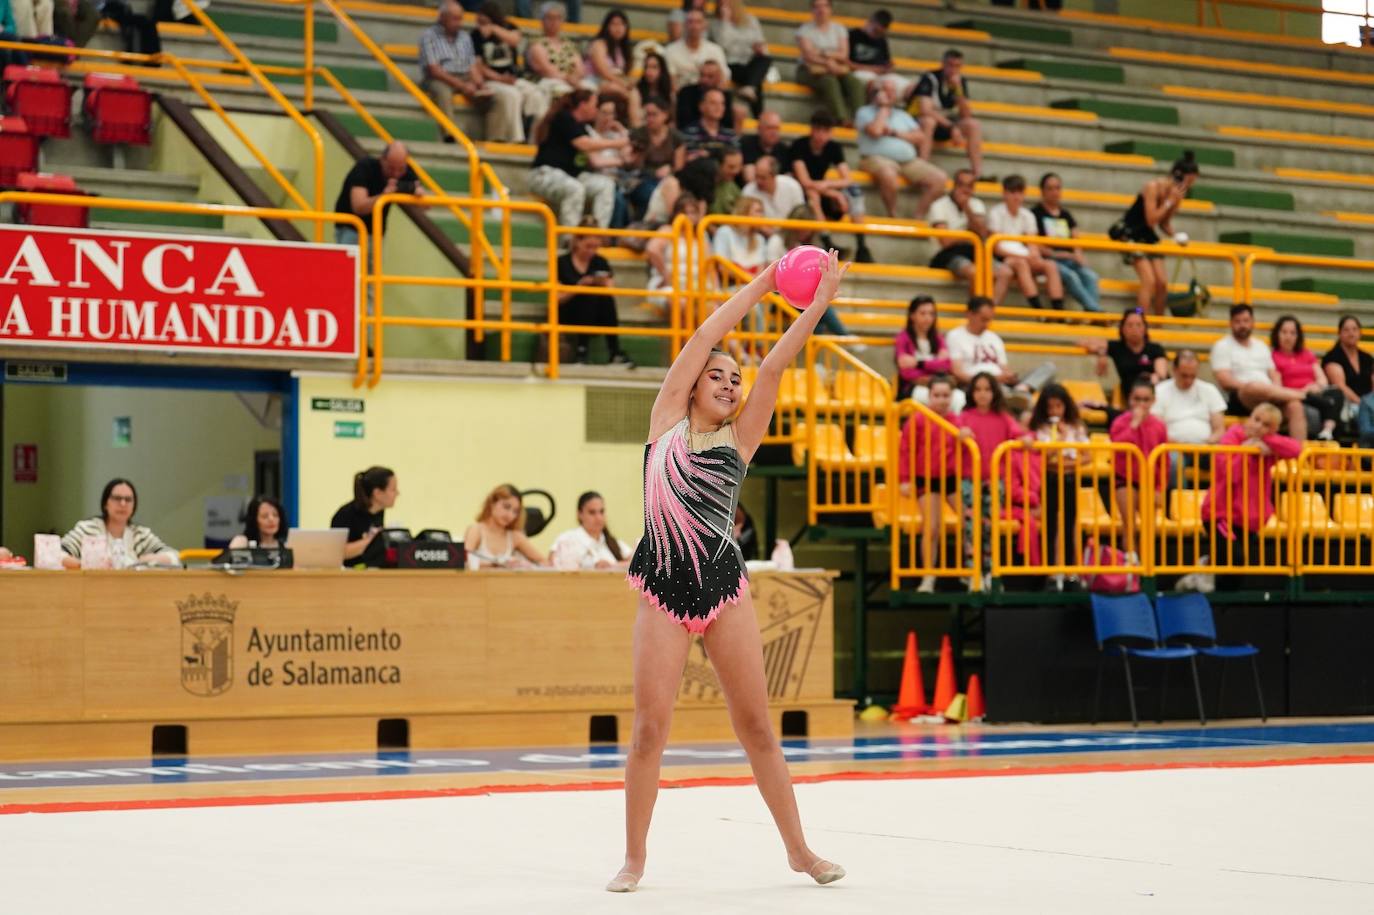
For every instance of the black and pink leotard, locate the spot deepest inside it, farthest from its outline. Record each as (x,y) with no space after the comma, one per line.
(688,564)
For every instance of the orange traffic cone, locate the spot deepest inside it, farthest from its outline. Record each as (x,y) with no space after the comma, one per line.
(945,688)
(977,708)
(911,700)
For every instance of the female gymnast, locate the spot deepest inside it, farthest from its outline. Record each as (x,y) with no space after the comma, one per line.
(690,573)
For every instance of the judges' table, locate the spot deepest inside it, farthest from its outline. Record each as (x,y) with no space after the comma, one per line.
(299,661)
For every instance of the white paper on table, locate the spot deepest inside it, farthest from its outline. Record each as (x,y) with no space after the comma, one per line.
(47,551)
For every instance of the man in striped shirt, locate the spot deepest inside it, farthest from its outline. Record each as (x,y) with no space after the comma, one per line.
(448,66)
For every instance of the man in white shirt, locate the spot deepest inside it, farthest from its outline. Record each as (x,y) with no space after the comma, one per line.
(1193,411)
(1027,261)
(1244,369)
(686,55)
(974,350)
(960,211)
(781,194)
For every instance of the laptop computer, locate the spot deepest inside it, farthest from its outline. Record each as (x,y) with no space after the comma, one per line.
(318,549)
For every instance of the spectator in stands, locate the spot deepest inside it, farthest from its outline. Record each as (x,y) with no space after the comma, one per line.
(659,251)
(573,9)
(1347,366)
(31,18)
(1025,260)
(1193,411)
(747,247)
(780,193)
(709,135)
(824,66)
(871,58)
(766,141)
(1055,418)
(590,545)
(559,176)
(612,160)
(690,96)
(78,21)
(888,137)
(554,62)
(727,190)
(1053,220)
(1364,422)
(374,491)
(654,82)
(831,199)
(1299,370)
(746,50)
(582,266)
(921,354)
(448,64)
(1242,483)
(113,534)
(1132,352)
(498,538)
(496,42)
(686,55)
(988,423)
(1152,209)
(655,149)
(264,525)
(609,59)
(368,179)
(928,458)
(940,102)
(1244,369)
(677,19)
(976,350)
(1140,427)
(960,211)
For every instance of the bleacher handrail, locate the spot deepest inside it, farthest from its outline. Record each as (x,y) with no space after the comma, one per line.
(1273,6)
(1278,258)
(819,354)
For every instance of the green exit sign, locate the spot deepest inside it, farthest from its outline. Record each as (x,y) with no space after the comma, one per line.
(348,429)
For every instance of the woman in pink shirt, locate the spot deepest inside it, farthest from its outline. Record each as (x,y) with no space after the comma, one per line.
(1300,370)
(987,421)
(1147,432)
(1240,496)
(922,354)
(928,456)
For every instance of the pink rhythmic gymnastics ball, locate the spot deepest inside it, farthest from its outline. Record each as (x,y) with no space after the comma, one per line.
(799,273)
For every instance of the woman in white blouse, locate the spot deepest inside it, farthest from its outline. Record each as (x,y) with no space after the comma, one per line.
(111,539)
(590,545)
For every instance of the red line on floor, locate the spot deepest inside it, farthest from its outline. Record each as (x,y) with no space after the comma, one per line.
(258,800)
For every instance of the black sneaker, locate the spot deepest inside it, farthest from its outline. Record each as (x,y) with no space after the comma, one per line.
(863,255)
(619,358)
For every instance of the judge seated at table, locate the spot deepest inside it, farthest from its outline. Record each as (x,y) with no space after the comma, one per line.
(374,491)
(111,539)
(264,526)
(590,545)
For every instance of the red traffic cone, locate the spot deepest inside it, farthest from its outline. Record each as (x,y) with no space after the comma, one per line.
(977,708)
(911,700)
(945,687)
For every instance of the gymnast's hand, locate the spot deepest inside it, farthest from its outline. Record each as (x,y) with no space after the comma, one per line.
(830,280)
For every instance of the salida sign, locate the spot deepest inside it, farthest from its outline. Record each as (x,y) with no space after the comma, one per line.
(90,289)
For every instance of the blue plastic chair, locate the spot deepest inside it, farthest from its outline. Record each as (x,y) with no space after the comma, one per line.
(1122,624)
(1188,617)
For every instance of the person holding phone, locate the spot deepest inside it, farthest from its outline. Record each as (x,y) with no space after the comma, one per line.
(583,266)
(374,491)
(368,179)
(1154,209)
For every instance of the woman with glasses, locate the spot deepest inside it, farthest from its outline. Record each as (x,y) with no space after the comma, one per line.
(111,539)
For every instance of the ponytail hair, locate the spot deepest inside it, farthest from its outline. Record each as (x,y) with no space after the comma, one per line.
(1187,165)
(367,482)
(611,543)
(566,103)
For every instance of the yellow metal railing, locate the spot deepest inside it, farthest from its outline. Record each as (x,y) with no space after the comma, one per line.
(1334,488)
(932,464)
(1277,259)
(845,431)
(1250,7)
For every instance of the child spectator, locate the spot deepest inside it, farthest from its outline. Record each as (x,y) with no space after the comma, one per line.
(1026,260)
(960,211)
(1055,419)
(921,354)
(1053,220)
(928,458)
(940,102)
(988,423)
(871,58)
(1240,496)
(1140,427)
(831,199)
(498,538)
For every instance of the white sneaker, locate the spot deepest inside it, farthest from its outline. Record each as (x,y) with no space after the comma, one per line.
(927,585)
(1326,435)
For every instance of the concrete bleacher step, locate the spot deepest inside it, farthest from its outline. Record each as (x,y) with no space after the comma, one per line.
(1344,289)
(353,77)
(1291,243)
(237,22)
(1064,69)
(1168,152)
(1121,111)
(1016,31)
(420,129)
(1255,198)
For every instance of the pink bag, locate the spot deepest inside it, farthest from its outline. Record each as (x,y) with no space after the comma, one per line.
(1102,554)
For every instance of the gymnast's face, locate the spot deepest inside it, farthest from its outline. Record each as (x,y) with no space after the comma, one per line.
(716,395)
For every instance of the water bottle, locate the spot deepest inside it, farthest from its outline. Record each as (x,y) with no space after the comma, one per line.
(782,555)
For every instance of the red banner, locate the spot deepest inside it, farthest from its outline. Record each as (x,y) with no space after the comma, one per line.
(127,290)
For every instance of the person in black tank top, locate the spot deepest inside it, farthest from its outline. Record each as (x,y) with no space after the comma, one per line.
(690,573)
(1153,209)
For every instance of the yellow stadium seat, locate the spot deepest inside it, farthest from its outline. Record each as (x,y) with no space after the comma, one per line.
(1185,513)
(870,445)
(1354,514)
(832,452)
(1307,508)
(799,444)
(1088,390)
(1096,463)
(857,390)
(1093,515)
